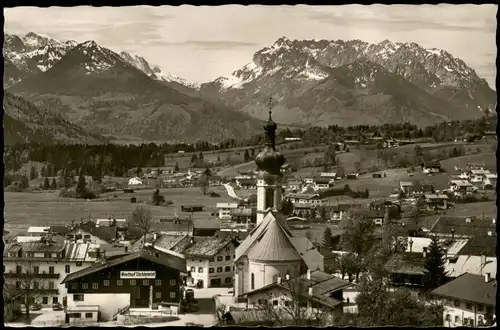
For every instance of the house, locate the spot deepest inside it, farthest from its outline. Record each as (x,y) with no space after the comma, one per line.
(375,140)
(313,290)
(294,185)
(407,270)
(476,166)
(461,186)
(436,201)
(477,176)
(480,245)
(143,279)
(351,176)
(168,170)
(308,180)
(214,181)
(135,181)
(244,214)
(377,216)
(339,211)
(404,142)
(224,209)
(192,208)
(43,266)
(205,227)
(247,183)
(174,226)
(310,199)
(462,227)
(431,167)
(406,187)
(111,222)
(209,260)
(469,300)
(321,183)
(420,244)
(377,175)
(91,233)
(490,181)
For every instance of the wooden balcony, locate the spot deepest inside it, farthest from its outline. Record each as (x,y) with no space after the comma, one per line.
(31,275)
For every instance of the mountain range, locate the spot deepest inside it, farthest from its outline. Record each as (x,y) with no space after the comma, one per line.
(312,82)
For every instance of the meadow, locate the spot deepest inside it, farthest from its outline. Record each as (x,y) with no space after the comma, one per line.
(25,209)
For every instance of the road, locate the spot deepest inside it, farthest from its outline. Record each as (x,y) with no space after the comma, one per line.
(233,168)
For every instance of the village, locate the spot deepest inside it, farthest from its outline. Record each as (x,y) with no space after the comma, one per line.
(269,239)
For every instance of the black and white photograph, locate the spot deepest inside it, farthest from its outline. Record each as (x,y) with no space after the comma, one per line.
(230,165)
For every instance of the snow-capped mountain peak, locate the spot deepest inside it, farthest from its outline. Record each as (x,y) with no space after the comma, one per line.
(154,71)
(35,40)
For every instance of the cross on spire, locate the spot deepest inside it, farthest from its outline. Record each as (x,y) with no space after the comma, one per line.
(270,104)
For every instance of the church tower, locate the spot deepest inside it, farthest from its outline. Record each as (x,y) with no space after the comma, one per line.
(269,181)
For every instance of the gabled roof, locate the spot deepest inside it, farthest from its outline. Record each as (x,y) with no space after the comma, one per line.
(469,287)
(207,247)
(153,256)
(406,263)
(471,264)
(206,224)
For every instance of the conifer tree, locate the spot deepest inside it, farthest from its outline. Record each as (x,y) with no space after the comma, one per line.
(53,185)
(176,168)
(327,238)
(33,173)
(46,184)
(246,156)
(81,185)
(435,272)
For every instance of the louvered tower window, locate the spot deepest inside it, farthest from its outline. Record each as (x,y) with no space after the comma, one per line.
(252,279)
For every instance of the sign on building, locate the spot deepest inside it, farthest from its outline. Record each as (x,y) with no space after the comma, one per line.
(137,274)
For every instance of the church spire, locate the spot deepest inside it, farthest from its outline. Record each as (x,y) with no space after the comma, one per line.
(270,160)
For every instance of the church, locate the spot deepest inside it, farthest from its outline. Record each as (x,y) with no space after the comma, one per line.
(270,251)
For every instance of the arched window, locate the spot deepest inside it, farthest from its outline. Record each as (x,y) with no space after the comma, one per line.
(252,281)
(269,198)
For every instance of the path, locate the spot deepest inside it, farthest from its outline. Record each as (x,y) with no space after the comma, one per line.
(230,192)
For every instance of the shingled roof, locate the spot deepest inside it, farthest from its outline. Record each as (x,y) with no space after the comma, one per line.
(444,225)
(406,263)
(469,287)
(207,247)
(480,245)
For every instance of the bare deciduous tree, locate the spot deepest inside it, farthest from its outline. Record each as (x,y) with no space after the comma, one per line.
(142,219)
(26,284)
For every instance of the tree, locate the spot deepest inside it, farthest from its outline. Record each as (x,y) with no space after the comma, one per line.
(138,171)
(435,272)
(46,184)
(379,305)
(246,156)
(176,168)
(142,220)
(329,157)
(43,172)
(203,181)
(33,173)
(194,159)
(358,232)
(200,157)
(53,185)
(157,198)
(286,206)
(24,183)
(81,186)
(327,238)
(218,159)
(28,287)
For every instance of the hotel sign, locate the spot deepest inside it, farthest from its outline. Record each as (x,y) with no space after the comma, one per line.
(137,274)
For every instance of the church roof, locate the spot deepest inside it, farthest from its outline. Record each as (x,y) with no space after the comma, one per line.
(273,244)
(270,241)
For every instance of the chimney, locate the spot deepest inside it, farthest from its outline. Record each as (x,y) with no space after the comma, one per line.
(309,275)
(279,279)
(287,276)
(487,277)
(155,236)
(424,252)
(310,291)
(411,244)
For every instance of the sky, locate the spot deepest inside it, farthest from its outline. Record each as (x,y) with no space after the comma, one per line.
(202,43)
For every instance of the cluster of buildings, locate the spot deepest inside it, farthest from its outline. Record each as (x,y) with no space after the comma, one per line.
(169,178)
(104,270)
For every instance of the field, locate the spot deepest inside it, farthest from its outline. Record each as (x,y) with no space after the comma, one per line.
(488,159)
(24,209)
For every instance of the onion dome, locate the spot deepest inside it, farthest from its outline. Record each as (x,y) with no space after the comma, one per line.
(269,159)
